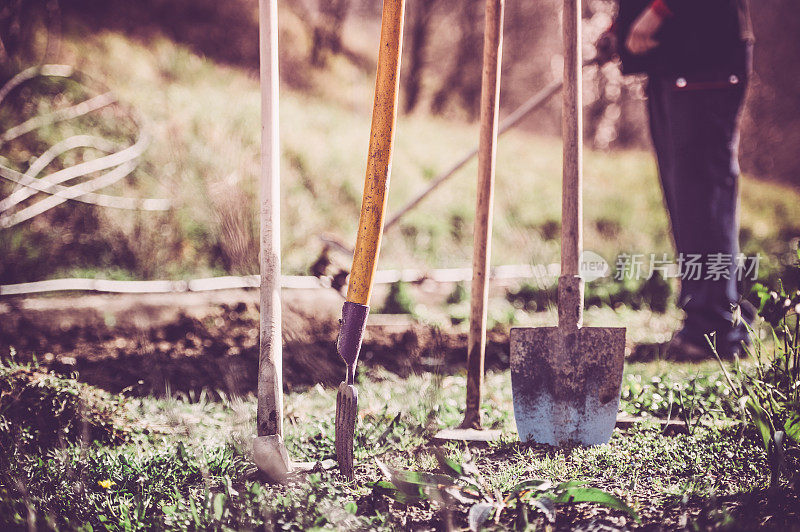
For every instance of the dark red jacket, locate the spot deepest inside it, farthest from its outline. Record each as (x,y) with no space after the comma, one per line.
(699,39)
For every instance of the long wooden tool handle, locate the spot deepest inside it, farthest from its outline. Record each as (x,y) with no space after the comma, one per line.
(482,242)
(379,162)
(570,285)
(572,127)
(270,381)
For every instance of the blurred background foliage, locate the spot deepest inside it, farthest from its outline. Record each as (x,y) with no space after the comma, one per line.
(189,70)
(442,51)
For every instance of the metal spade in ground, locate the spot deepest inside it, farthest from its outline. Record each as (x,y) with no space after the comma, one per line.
(566,380)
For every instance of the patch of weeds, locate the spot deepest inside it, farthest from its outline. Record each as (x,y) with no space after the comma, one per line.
(458,295)
(644,454)
(768,393)
(400,300)
(317,503)
(40,409)
(691,398)
(130,487)
(462,484)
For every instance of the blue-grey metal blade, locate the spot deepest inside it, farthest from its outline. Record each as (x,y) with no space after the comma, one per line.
(566,383)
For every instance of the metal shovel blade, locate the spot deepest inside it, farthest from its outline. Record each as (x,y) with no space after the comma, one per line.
(271,457)
(566,383)
(346,411)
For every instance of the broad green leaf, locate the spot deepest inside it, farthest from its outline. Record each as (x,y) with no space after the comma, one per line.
(532,484)
(763,295)
(219,506)
(760,419)
(381,484)
(399,496)
(412,482)
(181,452)
(416,477)
(792,427)
(573,495)
(450,466)
(193,511)
(570,484)
(407,486)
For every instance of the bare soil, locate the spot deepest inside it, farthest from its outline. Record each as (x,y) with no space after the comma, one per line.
(168,343)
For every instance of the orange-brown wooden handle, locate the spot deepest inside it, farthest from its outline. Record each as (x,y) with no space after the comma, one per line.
(379,162)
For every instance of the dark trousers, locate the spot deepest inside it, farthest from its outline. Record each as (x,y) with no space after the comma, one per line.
(695,131)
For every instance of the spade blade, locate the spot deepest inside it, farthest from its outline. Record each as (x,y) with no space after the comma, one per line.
(566,383)
(346,411)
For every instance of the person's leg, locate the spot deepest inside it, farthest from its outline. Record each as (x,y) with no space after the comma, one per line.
(705,174)
(660,133)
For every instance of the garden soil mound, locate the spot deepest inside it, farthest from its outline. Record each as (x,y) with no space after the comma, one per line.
(165,344)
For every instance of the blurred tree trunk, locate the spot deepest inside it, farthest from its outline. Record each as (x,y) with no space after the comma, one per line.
(464,78)
(23,23)
(771,130)
(421,14)
(327,33)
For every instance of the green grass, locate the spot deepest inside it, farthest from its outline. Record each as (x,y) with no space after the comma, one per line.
(186,465)
(204,119)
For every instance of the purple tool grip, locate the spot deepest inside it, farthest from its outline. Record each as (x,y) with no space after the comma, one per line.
(351,332)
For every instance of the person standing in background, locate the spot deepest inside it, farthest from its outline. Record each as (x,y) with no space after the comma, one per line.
(697,55)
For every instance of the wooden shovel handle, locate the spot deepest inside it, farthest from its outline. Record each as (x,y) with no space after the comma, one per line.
(572,128)
(270,379)
(482,243)
(379,162)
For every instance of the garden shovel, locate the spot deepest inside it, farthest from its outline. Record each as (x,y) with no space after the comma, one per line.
(269,450)
(471,429)
(566,380)
(370,226)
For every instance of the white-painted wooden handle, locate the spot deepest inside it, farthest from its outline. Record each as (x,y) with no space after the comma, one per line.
(270,378)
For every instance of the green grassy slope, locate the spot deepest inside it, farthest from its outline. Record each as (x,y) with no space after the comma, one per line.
(204,119)
(186,462)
